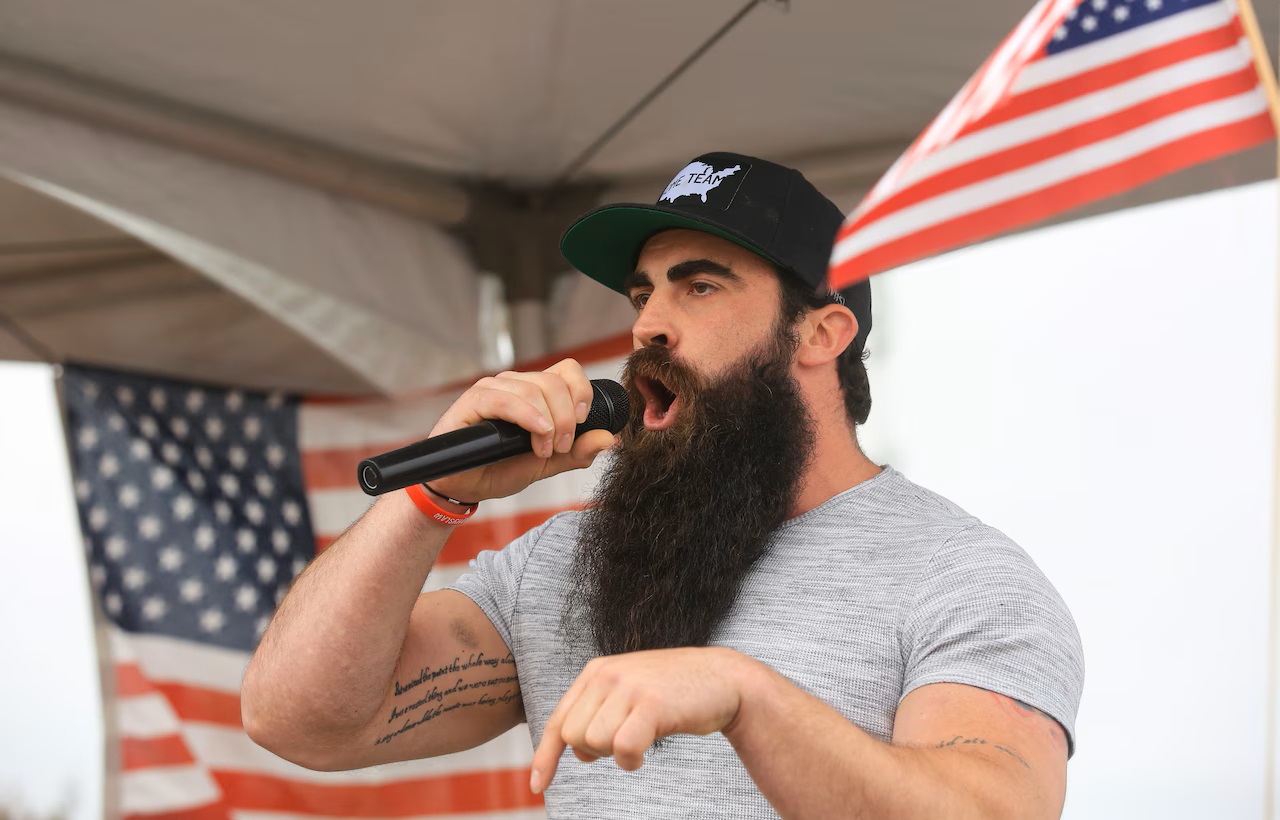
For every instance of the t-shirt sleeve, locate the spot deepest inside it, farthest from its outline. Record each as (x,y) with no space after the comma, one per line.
(985,615)
(493,580)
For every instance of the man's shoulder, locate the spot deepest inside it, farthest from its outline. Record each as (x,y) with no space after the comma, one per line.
(891,502)
(907,524)
(551,540)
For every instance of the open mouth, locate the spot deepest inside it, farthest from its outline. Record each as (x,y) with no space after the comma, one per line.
(660,404)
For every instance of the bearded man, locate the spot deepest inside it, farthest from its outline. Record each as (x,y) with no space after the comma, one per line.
(751,619)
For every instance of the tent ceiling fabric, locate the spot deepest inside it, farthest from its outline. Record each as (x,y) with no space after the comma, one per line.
(476,93)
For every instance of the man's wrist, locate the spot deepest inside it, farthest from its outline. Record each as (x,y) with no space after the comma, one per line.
(753,681)
(441,510)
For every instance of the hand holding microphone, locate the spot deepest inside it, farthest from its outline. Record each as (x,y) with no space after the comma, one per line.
(506,432)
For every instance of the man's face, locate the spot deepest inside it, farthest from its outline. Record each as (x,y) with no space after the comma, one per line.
(700,482)
(706,300)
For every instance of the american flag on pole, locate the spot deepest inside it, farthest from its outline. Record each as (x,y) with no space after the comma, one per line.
(1085,99)
(199,506)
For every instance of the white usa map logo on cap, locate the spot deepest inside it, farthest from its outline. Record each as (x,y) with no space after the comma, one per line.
(697,179)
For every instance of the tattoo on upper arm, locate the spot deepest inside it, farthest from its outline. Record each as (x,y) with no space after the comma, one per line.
(476,682)
(464,634)
(1028,708)
(1021,709)
(960,740)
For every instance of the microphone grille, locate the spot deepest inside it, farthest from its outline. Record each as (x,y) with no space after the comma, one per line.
(610,408)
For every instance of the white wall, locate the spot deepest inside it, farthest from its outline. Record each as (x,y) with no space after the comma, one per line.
(1102,391)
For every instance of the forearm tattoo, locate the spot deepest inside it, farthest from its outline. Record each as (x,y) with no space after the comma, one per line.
(960,740)
(474,682)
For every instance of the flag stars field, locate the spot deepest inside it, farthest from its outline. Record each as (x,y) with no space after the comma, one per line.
(246,598)
(135,578)
(212,620)
(191,590)
(149,527)
(116,547)
(184,506)
(170,559)
(130,497)
(226,567)
(161,477)
(154,608)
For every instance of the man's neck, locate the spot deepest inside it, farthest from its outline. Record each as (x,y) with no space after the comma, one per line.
(837,464)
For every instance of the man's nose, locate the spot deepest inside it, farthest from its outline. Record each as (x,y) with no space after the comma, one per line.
(653,327)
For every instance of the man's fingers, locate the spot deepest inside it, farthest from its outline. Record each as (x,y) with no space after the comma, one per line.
(633,738)
(579,717)
(579,386)
(547,755)
(599,731)
(510,400)
(545,760)
(560,402)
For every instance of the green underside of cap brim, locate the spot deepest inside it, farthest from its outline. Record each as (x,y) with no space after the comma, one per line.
(605,243)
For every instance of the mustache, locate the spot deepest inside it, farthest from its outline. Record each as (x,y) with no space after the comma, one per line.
(657,364)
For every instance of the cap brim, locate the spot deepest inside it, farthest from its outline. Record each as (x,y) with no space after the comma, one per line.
(605,243)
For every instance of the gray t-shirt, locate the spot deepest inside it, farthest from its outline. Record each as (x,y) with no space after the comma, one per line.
(882,589)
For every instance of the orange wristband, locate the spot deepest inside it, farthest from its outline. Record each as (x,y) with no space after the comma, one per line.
(423,502)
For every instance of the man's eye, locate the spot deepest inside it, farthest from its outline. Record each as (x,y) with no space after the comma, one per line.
(702,288)
(639,299)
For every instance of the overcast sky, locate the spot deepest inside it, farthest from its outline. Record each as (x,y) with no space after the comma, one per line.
(50,716)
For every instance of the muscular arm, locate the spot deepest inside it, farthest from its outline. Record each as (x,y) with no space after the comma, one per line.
(957,752)
(355,666)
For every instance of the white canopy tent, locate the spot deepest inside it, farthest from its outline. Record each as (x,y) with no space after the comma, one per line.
(302,194)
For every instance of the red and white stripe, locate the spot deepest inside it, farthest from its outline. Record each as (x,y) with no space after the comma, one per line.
(184,753)
(1029,137)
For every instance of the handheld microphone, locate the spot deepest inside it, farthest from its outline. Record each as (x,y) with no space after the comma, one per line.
(480,444)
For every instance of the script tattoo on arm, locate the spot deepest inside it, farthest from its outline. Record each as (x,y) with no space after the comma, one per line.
(960,740)
(475,682)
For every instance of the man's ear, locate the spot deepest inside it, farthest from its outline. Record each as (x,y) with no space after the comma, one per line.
(825,333)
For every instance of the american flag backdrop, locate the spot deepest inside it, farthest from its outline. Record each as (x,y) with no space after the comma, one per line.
(1085,99)
(199,506)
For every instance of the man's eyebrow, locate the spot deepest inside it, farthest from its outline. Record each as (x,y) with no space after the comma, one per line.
(693,267)
(636,279)
(683,270)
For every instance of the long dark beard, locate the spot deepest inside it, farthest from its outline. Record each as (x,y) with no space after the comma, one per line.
(683,514)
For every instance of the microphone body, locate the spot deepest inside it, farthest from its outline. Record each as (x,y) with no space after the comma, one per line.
(479,445)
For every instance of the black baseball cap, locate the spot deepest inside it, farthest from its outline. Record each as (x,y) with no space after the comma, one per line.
(769,209)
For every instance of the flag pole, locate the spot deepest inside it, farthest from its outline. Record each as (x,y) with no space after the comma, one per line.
(1261,61)
(1267,77)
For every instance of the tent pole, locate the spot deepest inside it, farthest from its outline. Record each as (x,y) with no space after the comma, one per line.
(41,351)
